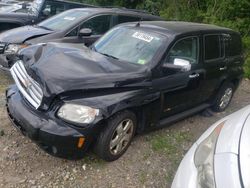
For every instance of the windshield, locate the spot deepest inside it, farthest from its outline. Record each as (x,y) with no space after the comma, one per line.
(130,44)
(30,7)
(63,20)
(35,6)
(9,8)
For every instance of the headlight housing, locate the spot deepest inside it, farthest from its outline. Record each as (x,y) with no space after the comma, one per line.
(14,48)
(204,158)
(77,113)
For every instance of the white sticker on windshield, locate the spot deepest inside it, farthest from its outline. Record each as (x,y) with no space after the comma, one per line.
(69,18)
(143,36)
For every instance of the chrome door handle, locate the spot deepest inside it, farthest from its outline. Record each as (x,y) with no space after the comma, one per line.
(223,68)
(194,75)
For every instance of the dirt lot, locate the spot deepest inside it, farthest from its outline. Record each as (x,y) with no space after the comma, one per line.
(151,161)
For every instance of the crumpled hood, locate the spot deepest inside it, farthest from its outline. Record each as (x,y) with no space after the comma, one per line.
(60,68)
(21,34)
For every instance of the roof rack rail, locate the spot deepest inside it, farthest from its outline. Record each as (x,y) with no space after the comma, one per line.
(124,8)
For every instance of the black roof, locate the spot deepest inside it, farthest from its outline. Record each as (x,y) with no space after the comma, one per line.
(179,27)
(75,3)
(134,12)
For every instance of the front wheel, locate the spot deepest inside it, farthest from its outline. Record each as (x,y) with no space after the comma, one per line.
(115,139)
(223,98)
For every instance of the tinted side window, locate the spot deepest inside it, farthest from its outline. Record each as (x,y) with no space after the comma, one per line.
(123,19)
(73,33)
(184,49)
(234,46)
(70,6)
(213,47)
(98,24)
(52,8)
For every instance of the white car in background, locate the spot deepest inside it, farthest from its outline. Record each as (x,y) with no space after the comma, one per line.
(221,156)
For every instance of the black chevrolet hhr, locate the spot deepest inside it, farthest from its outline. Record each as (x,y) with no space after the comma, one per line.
(137,77)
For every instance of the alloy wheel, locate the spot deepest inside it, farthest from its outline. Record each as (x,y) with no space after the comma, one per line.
(121,136)
(226,98)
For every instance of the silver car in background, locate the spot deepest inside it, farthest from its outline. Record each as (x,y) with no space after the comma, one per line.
(221,156)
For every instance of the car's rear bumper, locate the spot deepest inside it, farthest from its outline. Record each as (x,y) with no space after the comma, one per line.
(57,139)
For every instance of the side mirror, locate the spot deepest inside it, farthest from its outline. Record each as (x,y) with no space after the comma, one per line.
(85,32)
(46,12)
(185,65)
(24,5)
(179,65)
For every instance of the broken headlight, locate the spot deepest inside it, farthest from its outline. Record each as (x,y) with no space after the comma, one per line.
(77,113)
(14,48)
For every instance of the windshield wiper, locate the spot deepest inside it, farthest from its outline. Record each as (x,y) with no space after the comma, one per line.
(43,27)
(109,56)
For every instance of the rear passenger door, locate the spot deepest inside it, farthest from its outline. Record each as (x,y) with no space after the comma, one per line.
(234,55)
(98,24)
(215,63)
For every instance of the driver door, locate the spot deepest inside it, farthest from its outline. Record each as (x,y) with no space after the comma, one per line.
(180,88)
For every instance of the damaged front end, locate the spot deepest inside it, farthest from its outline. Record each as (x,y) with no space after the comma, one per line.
(63,96)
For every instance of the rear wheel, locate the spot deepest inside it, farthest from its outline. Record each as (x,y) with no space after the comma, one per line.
(116,138)
(223,97)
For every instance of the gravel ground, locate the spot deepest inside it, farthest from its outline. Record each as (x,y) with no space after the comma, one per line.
(151,160)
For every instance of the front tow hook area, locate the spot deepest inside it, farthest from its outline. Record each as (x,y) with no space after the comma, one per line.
(32,135)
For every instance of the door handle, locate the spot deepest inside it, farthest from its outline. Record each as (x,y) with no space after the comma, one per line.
(195,75)
(223,68)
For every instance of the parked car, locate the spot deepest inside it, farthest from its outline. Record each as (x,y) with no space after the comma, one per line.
(68,27)
(220,157)
(138,76)
(35,12)
(7,8)
(12,6)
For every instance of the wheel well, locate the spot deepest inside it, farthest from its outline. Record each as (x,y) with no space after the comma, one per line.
(140,118)
(235,82)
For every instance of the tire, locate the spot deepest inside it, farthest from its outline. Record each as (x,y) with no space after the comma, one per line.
(123,123)
(224,97)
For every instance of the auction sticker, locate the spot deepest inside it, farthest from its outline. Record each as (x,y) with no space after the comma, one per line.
(143,36)
(69,18)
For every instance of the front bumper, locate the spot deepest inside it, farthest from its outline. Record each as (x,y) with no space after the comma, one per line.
(56,139)
(186,175)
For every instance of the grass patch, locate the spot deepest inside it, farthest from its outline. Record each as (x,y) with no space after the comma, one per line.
(143,177)
(173,145)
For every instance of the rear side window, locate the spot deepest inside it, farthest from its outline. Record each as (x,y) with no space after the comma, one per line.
(214,48)
(71,6)
(233,45)
(98,24)
(124,19)
(52,8)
